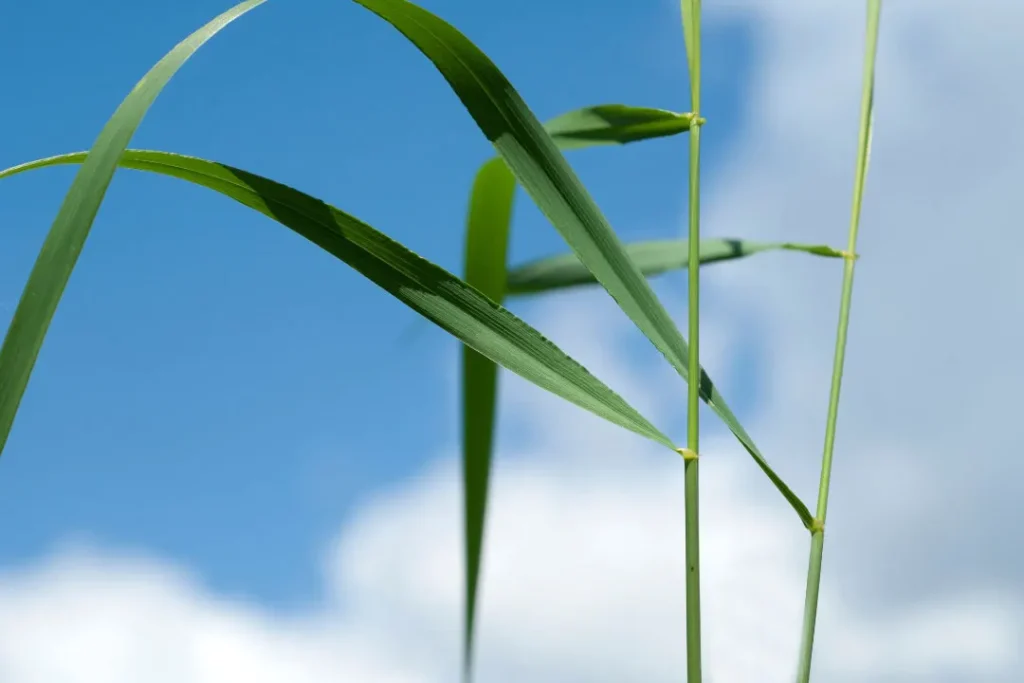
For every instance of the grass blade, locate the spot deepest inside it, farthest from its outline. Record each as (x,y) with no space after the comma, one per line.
(534,158)
(70,229)
(874,12)
(429,290)
(487,236)
(651,257)
(614,124)
(543,172)
(487,228)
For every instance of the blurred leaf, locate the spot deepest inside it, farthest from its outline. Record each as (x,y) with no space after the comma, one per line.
(428,289)
(653,258)
(488,225)
(70,229)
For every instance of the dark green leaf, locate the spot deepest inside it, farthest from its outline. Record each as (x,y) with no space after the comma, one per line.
(428,289)
(543,172)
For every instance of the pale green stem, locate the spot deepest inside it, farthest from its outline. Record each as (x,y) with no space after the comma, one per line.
(818,529)
(691,29)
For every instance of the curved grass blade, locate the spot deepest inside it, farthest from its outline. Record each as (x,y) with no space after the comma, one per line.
(534,159)
(541,169)
(428,289)
(488,225)
(652,257)
(70,229)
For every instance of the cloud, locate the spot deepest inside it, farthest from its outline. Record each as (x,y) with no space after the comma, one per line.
(584,566)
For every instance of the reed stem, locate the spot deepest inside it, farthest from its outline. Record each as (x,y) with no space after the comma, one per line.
(691,30)
(818,529)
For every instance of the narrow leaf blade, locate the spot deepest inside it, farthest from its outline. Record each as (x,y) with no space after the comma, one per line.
(535,160)
(543,172)
(428,289)
(614,124)
(487,227)
(652,257)
(71,227)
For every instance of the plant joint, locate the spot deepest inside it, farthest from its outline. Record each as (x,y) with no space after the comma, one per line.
(687,454)
(849,255)
(817,526)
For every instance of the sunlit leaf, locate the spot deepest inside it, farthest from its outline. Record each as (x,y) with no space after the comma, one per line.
(428,289)
(534,158)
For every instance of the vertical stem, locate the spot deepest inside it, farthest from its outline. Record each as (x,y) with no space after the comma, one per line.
(818,528)
(691,30)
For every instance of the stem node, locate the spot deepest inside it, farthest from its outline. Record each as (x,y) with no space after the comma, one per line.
(688,455)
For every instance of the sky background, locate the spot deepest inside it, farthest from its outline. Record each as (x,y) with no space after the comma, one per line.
(238,459)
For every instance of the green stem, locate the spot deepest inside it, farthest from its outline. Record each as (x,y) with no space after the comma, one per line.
(691,30)
(818,529)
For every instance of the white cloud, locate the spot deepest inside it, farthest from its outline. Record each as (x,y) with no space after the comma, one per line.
(584,565)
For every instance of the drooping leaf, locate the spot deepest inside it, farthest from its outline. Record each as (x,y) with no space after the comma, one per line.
(652,257)
(543,172)
(70,229)
(488,225)
(535,160)
(428,289)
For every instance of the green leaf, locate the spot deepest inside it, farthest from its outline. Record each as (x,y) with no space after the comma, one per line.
(70,229)
(487,227)
(541,169)
(487,235)
(653,258)
(614,124)
(449,302)
(534,159)
(543,172)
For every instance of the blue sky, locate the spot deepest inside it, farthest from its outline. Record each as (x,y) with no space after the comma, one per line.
(216,390)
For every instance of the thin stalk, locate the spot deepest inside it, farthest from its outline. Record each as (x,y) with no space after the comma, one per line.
(818,528)
(691,30)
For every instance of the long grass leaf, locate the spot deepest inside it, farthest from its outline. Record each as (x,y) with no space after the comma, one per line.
(70,229)
(488,225)
(428,289)
(652,257)
(543,172)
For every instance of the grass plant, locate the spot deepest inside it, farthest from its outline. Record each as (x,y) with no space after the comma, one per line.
(529,155)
